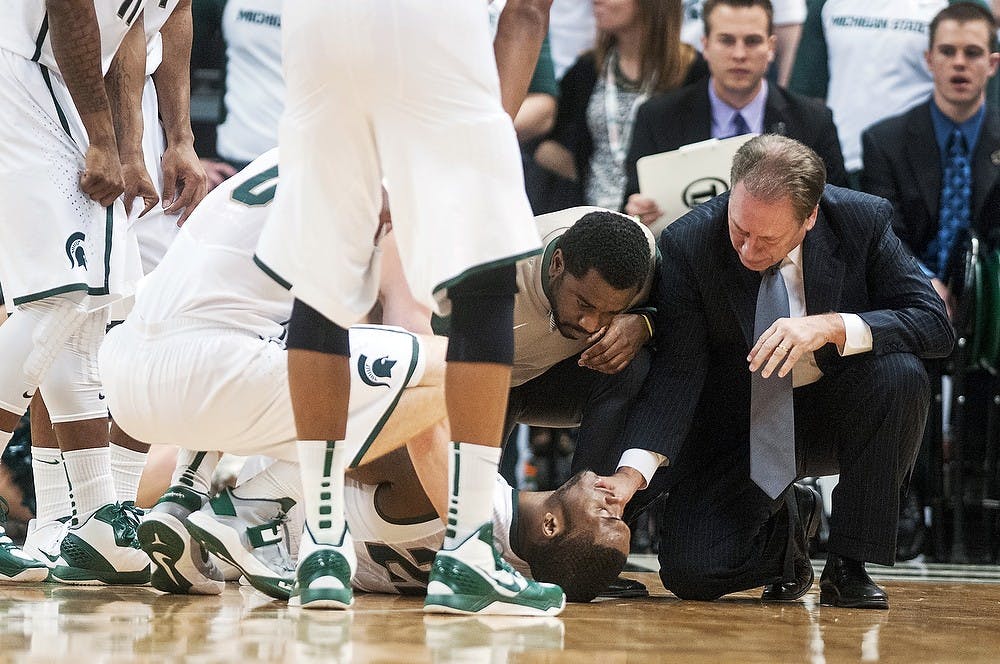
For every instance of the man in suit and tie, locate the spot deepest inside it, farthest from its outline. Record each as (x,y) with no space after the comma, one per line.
(939,166)
(737,99)
(789,334)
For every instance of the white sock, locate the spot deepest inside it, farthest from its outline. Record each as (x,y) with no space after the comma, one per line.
(90,483)
(321,464)
(126,471)
(194,470)
(472,469)
(281,479)
(51,486)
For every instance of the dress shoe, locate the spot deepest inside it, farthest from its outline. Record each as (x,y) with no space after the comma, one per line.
(622,588)
(807,506)
(845,583)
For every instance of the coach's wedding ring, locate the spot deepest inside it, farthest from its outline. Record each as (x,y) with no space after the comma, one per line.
(784,348)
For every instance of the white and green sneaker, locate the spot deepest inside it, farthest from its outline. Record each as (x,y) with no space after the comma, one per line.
(103,550)
(180,565)
(248,533)
(458,585)
(323,575)
(15,564)
(43,540)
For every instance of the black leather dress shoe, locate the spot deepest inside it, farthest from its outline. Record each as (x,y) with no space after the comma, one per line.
(807,503)
(622,588)
(845,583)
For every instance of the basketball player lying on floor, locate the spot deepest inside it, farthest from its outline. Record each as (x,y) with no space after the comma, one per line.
(200,362)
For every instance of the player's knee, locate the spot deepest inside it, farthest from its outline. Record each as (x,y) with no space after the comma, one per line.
(308,329)
(72,387)
(482,317)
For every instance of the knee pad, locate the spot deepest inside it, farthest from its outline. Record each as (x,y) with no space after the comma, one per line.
(30,340)
(72,386)
(308,329)
(482,317)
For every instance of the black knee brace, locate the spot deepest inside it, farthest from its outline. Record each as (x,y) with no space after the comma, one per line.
(308,329)
(482,317)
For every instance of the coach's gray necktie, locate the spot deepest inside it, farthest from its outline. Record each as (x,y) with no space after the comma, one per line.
(772,417)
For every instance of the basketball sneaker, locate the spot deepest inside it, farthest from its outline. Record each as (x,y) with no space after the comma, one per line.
(15,564)
(103,549)
(489,586)
(248,533)
(180,565)
(43,540)
(323,575)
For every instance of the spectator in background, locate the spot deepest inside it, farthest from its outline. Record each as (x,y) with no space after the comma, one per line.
(788,18)
(571,31)
(865,59)
(915,159)
(638,53)
(739,47)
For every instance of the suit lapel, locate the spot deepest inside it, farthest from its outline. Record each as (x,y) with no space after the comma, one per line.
(924,157)
(774,112)
(740,284)
(985,162)
(822,269)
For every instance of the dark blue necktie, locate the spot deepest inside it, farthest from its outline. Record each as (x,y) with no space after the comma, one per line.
(740,125)
(956,192)
(772,416)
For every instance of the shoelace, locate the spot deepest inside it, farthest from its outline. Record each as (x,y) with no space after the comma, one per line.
(131,516)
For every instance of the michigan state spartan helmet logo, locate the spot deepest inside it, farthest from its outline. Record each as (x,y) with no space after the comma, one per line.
(75,251)
(370,372)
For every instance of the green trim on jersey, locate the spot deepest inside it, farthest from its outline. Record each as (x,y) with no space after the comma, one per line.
(62,116)
(271,273)
(43,32)
(377,429)
(34,297)
(482,267)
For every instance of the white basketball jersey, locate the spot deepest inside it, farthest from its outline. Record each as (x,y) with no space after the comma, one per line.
(255,85)
(156,14)
(396,557)
(209,272)
(25,28)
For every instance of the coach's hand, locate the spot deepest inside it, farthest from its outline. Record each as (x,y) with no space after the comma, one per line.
(102,179)
(644,208)
(138,184)
(623,484)
(614,346)
(788,339)
(184,181)
(217,172)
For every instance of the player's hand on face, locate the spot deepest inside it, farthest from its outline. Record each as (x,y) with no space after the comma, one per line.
(643,207)
(101,179)
(614,346)
(216,172)
(184,181)
(138,184)
(787,340)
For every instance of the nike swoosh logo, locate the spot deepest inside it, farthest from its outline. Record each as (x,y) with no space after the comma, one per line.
(166,564)
(28,396)
(100,395)
(51,463)
(49,556)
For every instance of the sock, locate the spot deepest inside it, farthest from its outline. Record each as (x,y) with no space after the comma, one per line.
(51,486)
(472,469)
(281,479)
(321,464)
(194,470)
(90,484)
(126,471)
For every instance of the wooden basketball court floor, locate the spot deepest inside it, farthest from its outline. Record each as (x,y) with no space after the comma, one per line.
(938,614)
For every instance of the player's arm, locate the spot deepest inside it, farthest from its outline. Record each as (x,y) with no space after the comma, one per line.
(76,44)
(522,27)
(123,84)
(184,181)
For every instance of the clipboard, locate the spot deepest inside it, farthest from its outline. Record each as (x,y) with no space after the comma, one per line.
(681,179)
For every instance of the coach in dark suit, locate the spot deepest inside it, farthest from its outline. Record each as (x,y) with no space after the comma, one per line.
(738,46)
(859,316)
